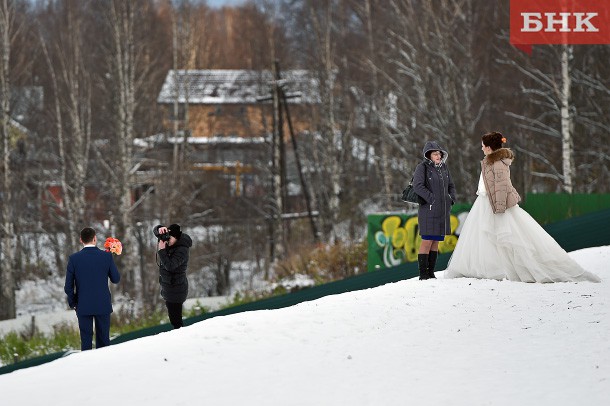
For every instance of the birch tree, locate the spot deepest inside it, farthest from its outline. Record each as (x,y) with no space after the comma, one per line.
(63,45)
(567,125)
(330,132)
(548,88)
(438,79)
(7,234)
(123,69)
(591,85)
(372,65)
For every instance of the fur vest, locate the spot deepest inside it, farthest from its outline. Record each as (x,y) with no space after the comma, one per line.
(496,176)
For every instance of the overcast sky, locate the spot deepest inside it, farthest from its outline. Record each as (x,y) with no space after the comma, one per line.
(220,3)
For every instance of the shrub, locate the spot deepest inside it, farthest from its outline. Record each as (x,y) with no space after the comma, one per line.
(18,346)
(197,310)
(325,263)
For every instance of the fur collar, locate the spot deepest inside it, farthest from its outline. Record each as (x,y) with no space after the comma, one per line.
(498,155)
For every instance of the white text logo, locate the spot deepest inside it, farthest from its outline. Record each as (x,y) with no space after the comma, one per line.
(558,22)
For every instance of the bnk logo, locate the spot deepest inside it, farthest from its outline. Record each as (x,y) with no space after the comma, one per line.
(563,22)
(559,22)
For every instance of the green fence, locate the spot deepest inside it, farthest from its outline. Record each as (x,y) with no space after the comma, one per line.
(589,230)
(393,238)
(584,231)
(32,362)
(552,207)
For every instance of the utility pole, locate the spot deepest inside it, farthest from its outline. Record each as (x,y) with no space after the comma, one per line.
(279,195)
(314,228)
(277,170)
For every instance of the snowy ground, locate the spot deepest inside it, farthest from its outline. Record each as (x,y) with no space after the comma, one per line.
(440,342)
(42,303)
(47,321)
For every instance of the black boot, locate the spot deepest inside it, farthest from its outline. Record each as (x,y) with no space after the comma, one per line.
(431,264)
(422,260)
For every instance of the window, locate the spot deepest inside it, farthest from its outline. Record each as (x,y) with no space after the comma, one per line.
(181,113)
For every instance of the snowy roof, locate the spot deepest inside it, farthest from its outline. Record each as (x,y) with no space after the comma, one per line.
(226,86)
(18,126)
(152,140)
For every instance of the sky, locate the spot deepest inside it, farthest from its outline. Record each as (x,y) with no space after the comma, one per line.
(436,342)
(220,3)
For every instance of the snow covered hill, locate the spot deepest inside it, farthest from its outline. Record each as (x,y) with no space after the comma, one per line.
(440,342)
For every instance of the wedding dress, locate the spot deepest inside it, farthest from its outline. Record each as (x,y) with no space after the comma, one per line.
(510,245)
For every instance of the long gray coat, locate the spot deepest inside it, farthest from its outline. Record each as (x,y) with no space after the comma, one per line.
(434,184)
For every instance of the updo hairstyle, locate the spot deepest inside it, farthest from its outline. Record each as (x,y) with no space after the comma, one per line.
(494,140)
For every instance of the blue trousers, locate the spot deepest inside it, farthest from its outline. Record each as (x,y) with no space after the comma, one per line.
(102,330)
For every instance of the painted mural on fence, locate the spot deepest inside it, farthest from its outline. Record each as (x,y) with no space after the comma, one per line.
(393,238)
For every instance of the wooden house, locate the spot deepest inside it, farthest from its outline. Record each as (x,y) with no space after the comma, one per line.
(224,121)
(233,103)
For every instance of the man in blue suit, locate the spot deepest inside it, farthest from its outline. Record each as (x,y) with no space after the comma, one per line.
(87,289)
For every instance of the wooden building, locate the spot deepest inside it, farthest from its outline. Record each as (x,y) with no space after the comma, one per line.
(228,103)
(223,120)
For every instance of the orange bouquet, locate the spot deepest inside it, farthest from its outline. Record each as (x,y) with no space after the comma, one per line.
(113,245)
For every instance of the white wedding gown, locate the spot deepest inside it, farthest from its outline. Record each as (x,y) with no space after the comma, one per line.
(510,245)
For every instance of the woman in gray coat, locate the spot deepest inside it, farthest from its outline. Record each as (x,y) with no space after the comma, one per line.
(432,183)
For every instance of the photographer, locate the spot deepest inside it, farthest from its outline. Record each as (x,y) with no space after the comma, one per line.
(173,251)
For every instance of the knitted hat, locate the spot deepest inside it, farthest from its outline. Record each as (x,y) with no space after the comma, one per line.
(174,231)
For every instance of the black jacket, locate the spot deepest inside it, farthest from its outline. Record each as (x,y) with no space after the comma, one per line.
(173,261)
(434,184)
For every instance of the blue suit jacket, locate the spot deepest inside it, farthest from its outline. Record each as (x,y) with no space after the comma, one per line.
(87,281)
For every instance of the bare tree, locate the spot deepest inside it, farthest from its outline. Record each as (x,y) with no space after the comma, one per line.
(438,78)
(328,139)
(64,48)
(567,125)
(591,93)
(7,234)
(373,66)
(185,52)
(552,114)
(123,63)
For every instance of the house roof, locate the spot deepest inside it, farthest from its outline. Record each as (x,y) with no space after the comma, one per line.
(225,86)
(151,141)
(18,126)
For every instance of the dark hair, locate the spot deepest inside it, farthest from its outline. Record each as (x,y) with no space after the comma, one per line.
(87,234)
(174,231)
(429,153)
(493,140)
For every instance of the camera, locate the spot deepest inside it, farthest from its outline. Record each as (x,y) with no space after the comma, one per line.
(161,237)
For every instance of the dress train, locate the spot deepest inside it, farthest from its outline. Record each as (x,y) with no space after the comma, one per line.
(510,245)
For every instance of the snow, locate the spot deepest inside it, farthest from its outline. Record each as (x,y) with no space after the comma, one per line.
(435,342)
(234,86)
(151,141)
(46,322)
(41,296)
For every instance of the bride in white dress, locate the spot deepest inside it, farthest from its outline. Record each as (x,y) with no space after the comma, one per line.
(499,239)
